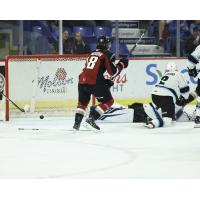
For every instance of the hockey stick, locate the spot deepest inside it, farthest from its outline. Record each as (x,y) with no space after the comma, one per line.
(21,109)
(135,45)
(140,38)
(49,129)
(2,84)
(179,113)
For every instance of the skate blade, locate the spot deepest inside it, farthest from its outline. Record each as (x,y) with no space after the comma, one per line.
(90,128)
(51,129)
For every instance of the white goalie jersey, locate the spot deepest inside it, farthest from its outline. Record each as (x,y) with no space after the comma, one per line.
(173,84)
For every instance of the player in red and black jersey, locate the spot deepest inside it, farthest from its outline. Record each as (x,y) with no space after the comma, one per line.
(92,81)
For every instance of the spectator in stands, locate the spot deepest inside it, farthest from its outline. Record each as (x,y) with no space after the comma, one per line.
(192,42)
(67,43)
(161,28)
(79,45)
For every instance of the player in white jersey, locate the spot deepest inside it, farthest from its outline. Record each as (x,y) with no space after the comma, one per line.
(171,87)
(193,60)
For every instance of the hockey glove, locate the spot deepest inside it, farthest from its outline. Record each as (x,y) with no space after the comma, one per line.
(181,101)
(109,83)
(124,61)
(192,72)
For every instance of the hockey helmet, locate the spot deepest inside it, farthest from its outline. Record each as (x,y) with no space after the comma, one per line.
(171,67)
(103,43)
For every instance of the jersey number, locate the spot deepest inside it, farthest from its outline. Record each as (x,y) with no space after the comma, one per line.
(163,79)
(91,62)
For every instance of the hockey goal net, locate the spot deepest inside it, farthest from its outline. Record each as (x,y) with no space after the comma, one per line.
(47,83)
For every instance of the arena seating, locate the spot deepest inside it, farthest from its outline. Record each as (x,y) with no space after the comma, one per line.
(171,40)
(102,30)
(92,46)
(123,50)
(129,32)
(84,30)
(39,42)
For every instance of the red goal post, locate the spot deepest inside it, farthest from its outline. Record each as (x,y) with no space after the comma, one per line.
(48,83)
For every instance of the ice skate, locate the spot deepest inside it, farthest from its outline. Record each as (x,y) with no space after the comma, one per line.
(91,125)
(77,123)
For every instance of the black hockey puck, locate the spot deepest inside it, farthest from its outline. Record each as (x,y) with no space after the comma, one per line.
(41,116)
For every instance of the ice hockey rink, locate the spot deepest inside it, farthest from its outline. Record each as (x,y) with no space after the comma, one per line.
(121,150)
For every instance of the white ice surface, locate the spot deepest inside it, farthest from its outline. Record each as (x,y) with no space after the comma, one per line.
(120,151)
